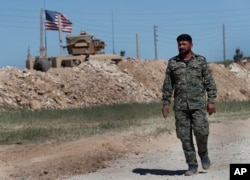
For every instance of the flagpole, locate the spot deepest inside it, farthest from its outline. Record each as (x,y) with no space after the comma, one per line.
(60,33)
(45,39)
(44,30)
(41,34)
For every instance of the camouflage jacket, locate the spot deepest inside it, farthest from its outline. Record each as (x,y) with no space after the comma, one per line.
(189,82)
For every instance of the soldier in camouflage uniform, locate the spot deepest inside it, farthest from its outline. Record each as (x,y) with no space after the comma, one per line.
(189,77)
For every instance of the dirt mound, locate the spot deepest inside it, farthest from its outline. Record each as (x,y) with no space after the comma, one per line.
(97,82)
(231,86)
(149,73)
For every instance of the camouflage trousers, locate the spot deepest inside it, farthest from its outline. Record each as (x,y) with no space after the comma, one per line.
(189,122)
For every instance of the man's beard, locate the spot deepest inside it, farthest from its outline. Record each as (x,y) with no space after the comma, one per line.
(184,52)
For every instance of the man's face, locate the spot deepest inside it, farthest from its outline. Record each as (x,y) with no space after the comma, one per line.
(184,47)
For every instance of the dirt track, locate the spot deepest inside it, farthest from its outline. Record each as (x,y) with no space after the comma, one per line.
(164,159)
(134,154)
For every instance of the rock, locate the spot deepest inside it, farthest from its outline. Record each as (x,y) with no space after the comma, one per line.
(34,104)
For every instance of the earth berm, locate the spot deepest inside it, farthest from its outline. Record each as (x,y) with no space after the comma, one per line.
(103,82)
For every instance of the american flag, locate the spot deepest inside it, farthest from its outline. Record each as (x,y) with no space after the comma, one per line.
(52,21)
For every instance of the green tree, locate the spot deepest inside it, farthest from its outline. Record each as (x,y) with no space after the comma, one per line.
(238,55)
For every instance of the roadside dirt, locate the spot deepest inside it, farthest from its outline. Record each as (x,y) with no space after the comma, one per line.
(162,158)
(134,154)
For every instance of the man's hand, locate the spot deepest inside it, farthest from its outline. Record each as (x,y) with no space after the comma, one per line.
(165,111)
(211,109)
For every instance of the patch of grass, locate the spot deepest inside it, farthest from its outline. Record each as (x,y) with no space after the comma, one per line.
(38,126)
(231,108)
(32,126)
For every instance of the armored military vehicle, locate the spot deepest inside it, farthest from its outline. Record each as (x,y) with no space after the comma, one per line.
(81,48)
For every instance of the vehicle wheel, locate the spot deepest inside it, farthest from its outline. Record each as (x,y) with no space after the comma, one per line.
(42,65)
(75,62)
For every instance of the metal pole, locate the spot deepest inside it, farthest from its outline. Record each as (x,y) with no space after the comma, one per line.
(45,34)
(155,41)
(41,32)
(113,41)
(224,43)
(60,34)
(137,47)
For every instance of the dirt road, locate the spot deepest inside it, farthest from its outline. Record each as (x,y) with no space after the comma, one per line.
(134,154)
(163,158)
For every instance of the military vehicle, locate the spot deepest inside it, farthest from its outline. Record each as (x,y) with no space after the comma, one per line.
(81,48)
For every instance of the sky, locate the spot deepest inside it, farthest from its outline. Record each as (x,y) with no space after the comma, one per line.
(119,22)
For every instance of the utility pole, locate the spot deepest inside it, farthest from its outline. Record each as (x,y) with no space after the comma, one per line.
(155,40)
(137,46)
(224,43)
(113,33)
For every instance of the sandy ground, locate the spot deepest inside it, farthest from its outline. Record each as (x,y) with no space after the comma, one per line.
(229,143)
(134,154)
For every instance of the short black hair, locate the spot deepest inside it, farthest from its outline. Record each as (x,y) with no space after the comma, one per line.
(184,37)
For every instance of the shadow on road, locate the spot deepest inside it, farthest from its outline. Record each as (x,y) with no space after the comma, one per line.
(159,172)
